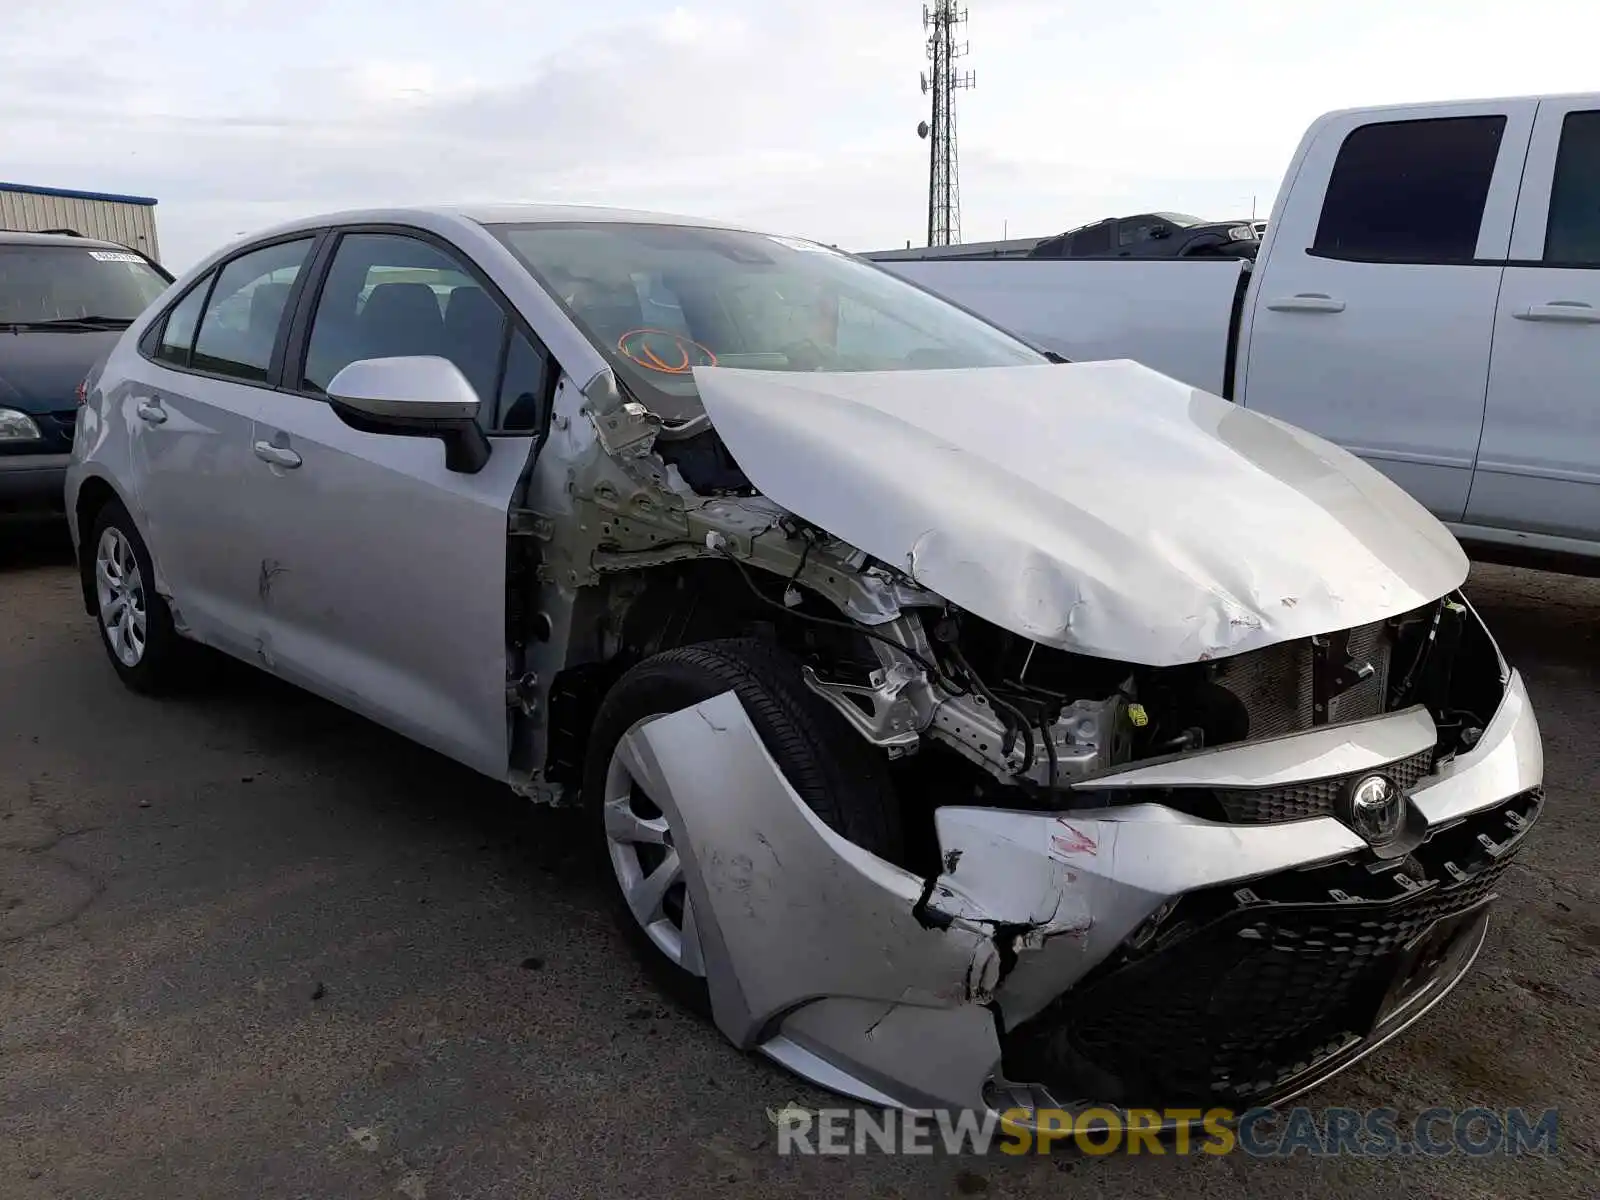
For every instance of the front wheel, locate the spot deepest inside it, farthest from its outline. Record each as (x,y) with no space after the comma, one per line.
(841,778)
(135,623)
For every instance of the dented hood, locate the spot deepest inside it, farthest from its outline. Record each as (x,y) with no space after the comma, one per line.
(1097,507)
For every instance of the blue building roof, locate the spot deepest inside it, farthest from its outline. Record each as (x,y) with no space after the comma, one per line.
(69,194)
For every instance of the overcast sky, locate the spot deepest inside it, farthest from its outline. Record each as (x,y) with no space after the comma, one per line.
(799,117)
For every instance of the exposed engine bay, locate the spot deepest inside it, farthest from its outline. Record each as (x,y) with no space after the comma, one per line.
(1225,803)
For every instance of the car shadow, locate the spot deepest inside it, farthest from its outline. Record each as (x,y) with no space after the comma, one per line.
(28,541)
(387,774)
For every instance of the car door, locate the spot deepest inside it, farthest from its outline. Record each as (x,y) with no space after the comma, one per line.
(384,573)
(1538,467)
(1371,321)
(191,410)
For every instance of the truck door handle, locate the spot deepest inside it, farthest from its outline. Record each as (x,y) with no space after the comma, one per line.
(1574,312)
(151,411)
(1312,302)
(278,456)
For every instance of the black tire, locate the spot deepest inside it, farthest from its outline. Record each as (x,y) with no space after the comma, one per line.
(160,668)
(839,776)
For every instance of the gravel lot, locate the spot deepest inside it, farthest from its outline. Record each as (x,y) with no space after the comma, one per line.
(253,946)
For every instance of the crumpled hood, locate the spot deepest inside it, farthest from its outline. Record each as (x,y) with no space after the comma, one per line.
(1098,507)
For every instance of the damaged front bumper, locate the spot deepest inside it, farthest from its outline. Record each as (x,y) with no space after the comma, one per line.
(1116,956)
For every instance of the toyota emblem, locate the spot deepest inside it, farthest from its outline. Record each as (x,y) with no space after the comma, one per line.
(1374,807)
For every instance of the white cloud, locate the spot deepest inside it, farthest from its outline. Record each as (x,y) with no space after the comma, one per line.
(795,116)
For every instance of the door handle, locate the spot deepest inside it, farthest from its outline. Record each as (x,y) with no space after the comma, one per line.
(1311,302)
(1574,312)
(151,411)
(278,456)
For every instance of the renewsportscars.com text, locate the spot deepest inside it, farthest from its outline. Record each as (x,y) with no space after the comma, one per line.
(1260,1133)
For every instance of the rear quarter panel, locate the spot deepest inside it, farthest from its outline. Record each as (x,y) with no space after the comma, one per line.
(101,446)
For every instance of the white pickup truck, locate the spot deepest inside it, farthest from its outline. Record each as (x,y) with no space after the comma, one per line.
(1427,295)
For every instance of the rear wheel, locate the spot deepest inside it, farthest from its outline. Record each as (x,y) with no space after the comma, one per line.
(841,778)
(135,623)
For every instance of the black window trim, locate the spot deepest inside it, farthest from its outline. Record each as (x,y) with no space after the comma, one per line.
(299,329)
(149,339)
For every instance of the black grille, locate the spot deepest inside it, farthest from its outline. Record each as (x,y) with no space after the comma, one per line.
(1243,989)
(1311,797)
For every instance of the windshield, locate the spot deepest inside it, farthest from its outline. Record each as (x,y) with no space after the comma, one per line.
(65,283)
(659,300)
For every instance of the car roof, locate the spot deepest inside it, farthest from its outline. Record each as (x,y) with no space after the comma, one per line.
(18,237)
(493,214)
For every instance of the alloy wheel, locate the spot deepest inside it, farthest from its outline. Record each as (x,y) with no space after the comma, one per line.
(119,587)
(640,840)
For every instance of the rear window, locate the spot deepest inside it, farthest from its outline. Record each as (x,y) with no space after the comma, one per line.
(65,283)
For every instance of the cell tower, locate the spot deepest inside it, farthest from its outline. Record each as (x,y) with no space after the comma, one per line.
(944,182)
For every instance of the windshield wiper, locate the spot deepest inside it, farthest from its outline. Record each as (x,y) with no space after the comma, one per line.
(89,322)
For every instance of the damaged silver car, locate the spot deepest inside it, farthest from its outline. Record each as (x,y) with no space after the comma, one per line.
(959,728)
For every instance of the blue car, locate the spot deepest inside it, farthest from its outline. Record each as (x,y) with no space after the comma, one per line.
(63,302)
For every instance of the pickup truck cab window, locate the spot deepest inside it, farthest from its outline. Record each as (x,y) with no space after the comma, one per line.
(1093,240)
(1573,233)
(1410,191)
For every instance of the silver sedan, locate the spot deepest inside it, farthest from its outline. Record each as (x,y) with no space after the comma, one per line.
(959,727)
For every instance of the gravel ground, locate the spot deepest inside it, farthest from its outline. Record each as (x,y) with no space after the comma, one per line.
(251,945)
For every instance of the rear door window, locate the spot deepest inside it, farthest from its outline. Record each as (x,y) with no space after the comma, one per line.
(177,331)
(1410,191)
(246,311)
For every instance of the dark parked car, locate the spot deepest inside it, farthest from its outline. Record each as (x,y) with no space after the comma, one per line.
(63,301)
(1153,235)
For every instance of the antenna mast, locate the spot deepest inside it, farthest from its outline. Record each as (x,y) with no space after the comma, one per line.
(939,20)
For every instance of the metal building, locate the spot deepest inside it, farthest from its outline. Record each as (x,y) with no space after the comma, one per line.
(127,220)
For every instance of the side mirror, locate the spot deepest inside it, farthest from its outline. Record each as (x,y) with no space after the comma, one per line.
(1157,232)
(413,396)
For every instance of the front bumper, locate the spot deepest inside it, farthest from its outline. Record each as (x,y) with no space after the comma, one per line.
(1119,956)
(33,481)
